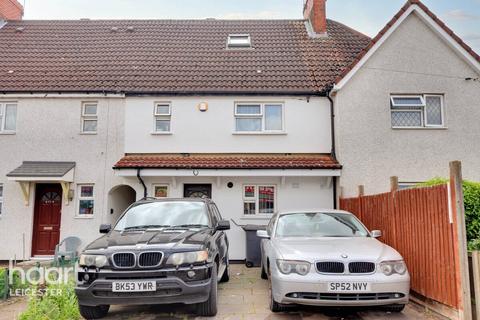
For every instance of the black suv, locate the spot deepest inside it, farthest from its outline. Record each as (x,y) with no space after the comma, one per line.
(159,252)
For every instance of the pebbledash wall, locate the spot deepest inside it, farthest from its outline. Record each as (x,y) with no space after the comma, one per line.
(48,129)
(413,60)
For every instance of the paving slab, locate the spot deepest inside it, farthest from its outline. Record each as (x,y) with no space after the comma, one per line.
(245,297)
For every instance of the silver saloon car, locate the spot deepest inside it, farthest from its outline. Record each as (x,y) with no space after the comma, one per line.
(329,258)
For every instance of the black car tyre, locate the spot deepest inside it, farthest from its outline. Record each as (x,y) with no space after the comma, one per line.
(98,312)
(274,305)
(226,273)
(394,308)
(263,274)
(209,307)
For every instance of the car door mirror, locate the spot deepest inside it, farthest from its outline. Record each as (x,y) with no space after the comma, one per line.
(263,234)
(223,225)
(376,234)
(105,228)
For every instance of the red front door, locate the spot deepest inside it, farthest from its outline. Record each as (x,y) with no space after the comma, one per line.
(46,221)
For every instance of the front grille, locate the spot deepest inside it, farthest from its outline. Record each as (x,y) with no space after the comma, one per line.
(124,260)
(330,267)
(345,296)
(149,259)
(361,267)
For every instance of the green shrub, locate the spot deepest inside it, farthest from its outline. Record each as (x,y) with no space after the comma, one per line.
(3,285)
(52,306)
(471,195)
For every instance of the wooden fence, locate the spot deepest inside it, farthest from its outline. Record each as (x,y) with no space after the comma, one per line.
(418,224)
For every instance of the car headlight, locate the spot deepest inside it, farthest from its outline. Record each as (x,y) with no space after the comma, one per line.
(93,260)
(180,258)
(390,267)
(289,266)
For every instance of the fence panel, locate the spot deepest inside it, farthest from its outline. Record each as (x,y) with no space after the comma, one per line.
(416,223)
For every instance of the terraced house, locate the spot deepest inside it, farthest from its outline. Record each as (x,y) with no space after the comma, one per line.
(96,114)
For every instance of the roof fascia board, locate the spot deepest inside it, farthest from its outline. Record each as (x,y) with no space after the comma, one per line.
(338,86)
(431,23)
(2,23)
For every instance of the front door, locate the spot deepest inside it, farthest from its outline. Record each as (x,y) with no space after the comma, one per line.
(46,221)
(197,191)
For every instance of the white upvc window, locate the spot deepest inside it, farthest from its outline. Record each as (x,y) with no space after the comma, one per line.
(8,117)
(160,191)
(259,117)
(259,199)
(89,117)
(86,200)
(1,199)
(239,41)
(162,117)
(417,111)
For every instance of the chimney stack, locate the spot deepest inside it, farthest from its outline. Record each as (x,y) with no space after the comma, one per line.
(10,10)
(315,11)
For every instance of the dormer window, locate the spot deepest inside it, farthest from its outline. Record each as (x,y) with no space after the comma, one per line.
(239,41)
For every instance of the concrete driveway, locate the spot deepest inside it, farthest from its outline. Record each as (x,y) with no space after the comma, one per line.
(245,297)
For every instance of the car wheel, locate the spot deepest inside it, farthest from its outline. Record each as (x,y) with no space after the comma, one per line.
(226,273)
(209,307)
(94,312)
(263,274)
(274,305)
(394,308)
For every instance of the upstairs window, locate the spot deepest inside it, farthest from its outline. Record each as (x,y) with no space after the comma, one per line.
(89,117)
(417,111)
(239,41)
(163,117)
(259,117)
(8,117)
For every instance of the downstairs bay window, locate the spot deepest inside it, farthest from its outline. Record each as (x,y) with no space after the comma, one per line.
(259,199)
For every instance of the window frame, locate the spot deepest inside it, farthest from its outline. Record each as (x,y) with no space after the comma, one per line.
(256,199)
(3,116)
(422,109)
(162,117)
(155,185)
(442,111)
(80,197)
(89,117)
(261,116)
(2,187)
(232,45)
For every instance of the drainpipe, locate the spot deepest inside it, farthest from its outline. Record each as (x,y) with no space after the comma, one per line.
(333,151)
(142,182)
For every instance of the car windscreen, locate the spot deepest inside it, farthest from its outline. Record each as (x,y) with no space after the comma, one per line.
(319,224)
(164,214)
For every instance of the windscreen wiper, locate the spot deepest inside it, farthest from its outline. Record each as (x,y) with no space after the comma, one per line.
(147,226)
(188,226)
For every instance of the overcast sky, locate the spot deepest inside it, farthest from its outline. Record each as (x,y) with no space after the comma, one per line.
(367,16)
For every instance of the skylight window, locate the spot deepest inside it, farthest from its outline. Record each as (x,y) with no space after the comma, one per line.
(239,41)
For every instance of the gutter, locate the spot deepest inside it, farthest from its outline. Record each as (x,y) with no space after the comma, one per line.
(145,193)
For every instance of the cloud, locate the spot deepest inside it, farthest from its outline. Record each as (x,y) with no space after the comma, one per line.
(255,15)
(472,37)
(459,14)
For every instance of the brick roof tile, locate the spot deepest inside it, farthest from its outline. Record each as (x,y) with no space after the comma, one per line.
(228,161)
(172,56)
